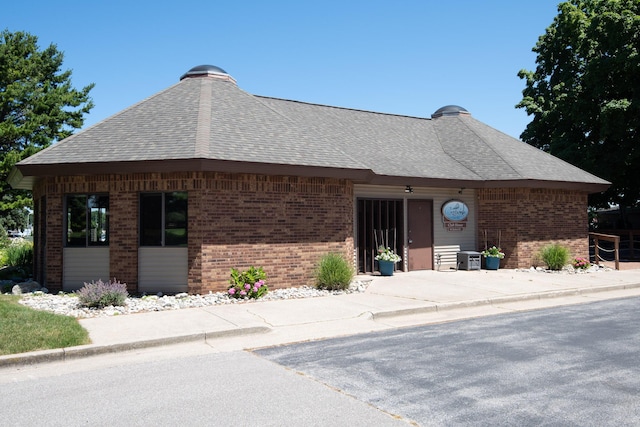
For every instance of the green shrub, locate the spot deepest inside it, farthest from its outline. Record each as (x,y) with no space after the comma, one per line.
(4,239)
(99,294)
(248,284)
(555,256)
(333,272)
(19,254)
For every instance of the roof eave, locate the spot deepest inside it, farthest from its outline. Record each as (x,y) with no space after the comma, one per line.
(588,187)
(18,181)
(24,176)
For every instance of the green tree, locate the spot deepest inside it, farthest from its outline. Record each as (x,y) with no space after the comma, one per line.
(38,106)
(584,94)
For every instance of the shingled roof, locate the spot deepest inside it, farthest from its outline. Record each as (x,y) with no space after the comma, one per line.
(205,122)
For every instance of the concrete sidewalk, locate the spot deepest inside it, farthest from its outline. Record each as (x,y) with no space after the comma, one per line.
(405,299)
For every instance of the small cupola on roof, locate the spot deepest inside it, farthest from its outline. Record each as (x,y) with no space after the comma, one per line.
(450,110)
(208,71)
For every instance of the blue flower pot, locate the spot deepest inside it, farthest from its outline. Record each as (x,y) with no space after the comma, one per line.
(492,262)
(386,268)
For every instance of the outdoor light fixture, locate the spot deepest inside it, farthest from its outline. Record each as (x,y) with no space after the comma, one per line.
(408,189)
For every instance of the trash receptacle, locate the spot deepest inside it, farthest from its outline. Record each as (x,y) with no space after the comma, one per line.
(468,260)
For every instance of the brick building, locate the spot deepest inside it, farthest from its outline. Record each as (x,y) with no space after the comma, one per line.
(171,193)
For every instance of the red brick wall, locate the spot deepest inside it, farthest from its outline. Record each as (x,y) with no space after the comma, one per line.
(283,224)
(526,219)
(55,189)
(123,238)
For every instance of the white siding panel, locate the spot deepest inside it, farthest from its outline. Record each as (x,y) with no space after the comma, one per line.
(82,265)
(162,270)
(445,243)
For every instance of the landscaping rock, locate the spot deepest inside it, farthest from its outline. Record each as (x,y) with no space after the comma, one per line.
(27,287)
(67,304)
(6,286)
(12,273)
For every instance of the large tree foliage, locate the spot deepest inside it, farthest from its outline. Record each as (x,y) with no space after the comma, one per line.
(584,94)
(38,106)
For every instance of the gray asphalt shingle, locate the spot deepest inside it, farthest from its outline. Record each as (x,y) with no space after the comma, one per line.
(213,119)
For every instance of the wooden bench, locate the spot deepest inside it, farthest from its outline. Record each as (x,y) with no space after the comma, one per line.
(446,255)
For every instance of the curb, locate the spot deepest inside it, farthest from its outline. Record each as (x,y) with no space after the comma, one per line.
(501,300)
(70,353)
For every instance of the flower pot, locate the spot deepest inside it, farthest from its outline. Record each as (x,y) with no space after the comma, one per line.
(492,262)
(386,268)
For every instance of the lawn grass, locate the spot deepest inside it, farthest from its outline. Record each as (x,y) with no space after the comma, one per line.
(24,329)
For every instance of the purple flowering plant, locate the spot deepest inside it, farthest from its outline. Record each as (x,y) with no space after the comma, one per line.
(102,294)
(581,263)
(250,284)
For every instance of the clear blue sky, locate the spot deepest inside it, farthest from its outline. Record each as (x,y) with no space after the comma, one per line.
(406,57)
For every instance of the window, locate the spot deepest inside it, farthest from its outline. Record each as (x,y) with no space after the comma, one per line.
(87,220)
(163,219)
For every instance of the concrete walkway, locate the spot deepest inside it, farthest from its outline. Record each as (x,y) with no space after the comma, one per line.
(405,299)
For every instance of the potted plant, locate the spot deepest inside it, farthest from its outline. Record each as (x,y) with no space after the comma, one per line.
(386,259)
(492,256)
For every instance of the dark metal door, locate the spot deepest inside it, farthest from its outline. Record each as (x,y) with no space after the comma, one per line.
(420,233)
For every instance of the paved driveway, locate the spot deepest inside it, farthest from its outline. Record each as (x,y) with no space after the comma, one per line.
(575,365)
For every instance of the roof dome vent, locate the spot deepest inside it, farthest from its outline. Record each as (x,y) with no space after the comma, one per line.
(207,71)
(450,110)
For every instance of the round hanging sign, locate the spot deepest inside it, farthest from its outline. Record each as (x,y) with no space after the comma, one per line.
(454,215)
(455,210)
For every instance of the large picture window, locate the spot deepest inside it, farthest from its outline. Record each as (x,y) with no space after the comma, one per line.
(87,220)
(163,219)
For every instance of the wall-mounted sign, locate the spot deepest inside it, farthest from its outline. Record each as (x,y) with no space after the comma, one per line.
(454,215)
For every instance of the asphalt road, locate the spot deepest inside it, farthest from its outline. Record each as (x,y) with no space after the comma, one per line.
(224,389)
(575,365)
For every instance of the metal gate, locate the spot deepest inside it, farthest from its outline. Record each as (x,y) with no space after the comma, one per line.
(380,222)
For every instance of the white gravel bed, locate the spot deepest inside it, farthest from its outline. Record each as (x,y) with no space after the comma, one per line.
(567,269)
(67,303)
